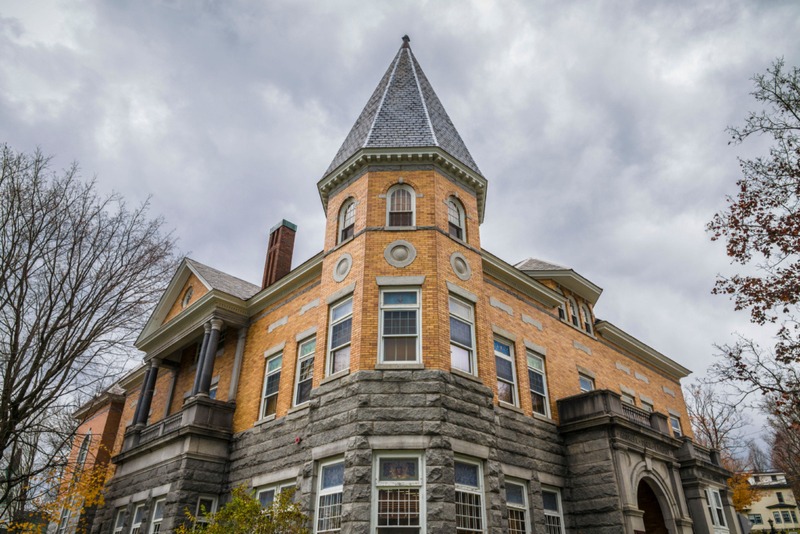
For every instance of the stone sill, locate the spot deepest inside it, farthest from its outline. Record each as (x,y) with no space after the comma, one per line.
(267,419)
(335,376)
(544,418)
(466,375)
(413,366)
(298,408)
(400,228)
(511,407)
(577,329)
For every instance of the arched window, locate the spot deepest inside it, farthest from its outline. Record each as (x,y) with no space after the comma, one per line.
(400,206)
(187,297)
(455,218)
(573,308)
(587,319)
(347,220)
(84,451)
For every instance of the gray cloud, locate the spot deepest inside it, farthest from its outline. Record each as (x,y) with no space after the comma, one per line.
(600,125)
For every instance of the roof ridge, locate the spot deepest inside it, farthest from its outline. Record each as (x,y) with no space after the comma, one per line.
(422,97)
(383,98)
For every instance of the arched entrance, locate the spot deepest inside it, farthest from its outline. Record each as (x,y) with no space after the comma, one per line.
(653,516)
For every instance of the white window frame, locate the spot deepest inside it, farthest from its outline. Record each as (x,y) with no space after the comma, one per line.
(136,528)
(157,522)
(413,194)
(628,399)
(301,359)
(63,519)
(779,496)
(647,406)
(187,296)
(214,501)
(378,484)
(83,452)
(589,379)
(587,319)
(715,508)
(327,491)
(350,202)
(513,361)
(543,372)
(331,324)
(560,514)
(524,508)
(776,515)
(400,307)
(675,425)
(212,391)
(480,491)
(562,310)
(794,516)
(267,374)
(786,517)
(473,360)
(461,219)
(276,489)
(575,315)
(755,519)
(120,514)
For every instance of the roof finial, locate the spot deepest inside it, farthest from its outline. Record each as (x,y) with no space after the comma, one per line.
(406,40)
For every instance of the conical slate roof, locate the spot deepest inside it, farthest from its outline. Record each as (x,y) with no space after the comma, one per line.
(404,112)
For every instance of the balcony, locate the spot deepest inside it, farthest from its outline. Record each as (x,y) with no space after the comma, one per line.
(605,403)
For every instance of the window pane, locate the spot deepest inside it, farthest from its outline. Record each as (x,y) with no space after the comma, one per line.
(398,507)
(786,518)
(341,359)
(400,219)
(274,363)
(350,214)
(460,358)
(586,384)
(306,369)
(341,333)
(304,391)
(273,382)
(400,297)
(504,369)
(330,512)
(400,323)
(460,309)
(537,382)
(515,494)
(538,403)
(468,512)
(505,392)
(342,310)
(453,215)
(535,363)
(271,406)
(205,507)
(332,475)
(308,347)
(398,469)
(455,231)
(502,348)
(516,521)
(266,498)
(552,524)
(467,474)
(137,516)
(400,201)
(460,332)
(158,514)
(550,501)
(120,519)
(400,349)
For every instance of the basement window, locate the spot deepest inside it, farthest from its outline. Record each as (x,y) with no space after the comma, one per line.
(158,516)
(206,505)
(398,506)
(138,515)
(517,504)
(553,514)
(119,522)
(329,504)
(469,497)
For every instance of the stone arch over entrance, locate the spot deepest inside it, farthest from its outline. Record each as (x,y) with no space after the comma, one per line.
(649,503)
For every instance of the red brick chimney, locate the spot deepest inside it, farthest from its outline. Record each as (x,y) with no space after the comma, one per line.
(279,252)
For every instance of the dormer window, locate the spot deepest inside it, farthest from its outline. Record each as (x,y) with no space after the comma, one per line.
(573,308)
(347,220)
(187,297)
(587,319)
(400,206)
(455,217)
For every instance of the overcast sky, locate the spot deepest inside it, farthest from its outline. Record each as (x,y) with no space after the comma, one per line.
(599,125)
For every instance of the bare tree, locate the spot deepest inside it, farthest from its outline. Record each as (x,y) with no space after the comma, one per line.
(79,272)
(716,419)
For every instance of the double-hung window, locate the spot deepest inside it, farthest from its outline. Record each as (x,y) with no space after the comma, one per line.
(586,383)
(506,371)
(715,508)
(676,426)
(462,336)
(455,218)
(138,515)
(647,406)
(63,520)
(517,504)
(266,496)
(538,384)
(329,505)
(305,370)
(794,516)
(553,514)
(779,495)
(562,312)
(587,319)
(272,381)
(469,497)
(401,206)
(777,516)
(347,221)
(755,519)
(119,521)
(339,336)
(628,399)
(786,517)
(398,504)
(573,309)
(400,325)
(158,516)
(206,505)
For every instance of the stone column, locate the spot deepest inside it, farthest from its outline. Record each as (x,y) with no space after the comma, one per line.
(143,408)
(210,357)
(237,364)
(199,370)
(141,396)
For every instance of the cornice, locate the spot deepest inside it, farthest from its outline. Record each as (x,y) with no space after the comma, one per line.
(427,155)
(494,266)
(572,281)
(300,276)
(637,348)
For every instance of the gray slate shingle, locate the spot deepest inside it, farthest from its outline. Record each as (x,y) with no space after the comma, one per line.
(532,264)
(225,282)
(404,112)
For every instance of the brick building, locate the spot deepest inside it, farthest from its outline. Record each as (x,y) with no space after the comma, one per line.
(405,379)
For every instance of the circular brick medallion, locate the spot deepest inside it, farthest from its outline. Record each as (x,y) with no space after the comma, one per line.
(400,253)
(342,267)
(460,266)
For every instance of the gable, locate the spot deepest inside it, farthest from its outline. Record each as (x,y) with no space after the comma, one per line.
(198,290)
